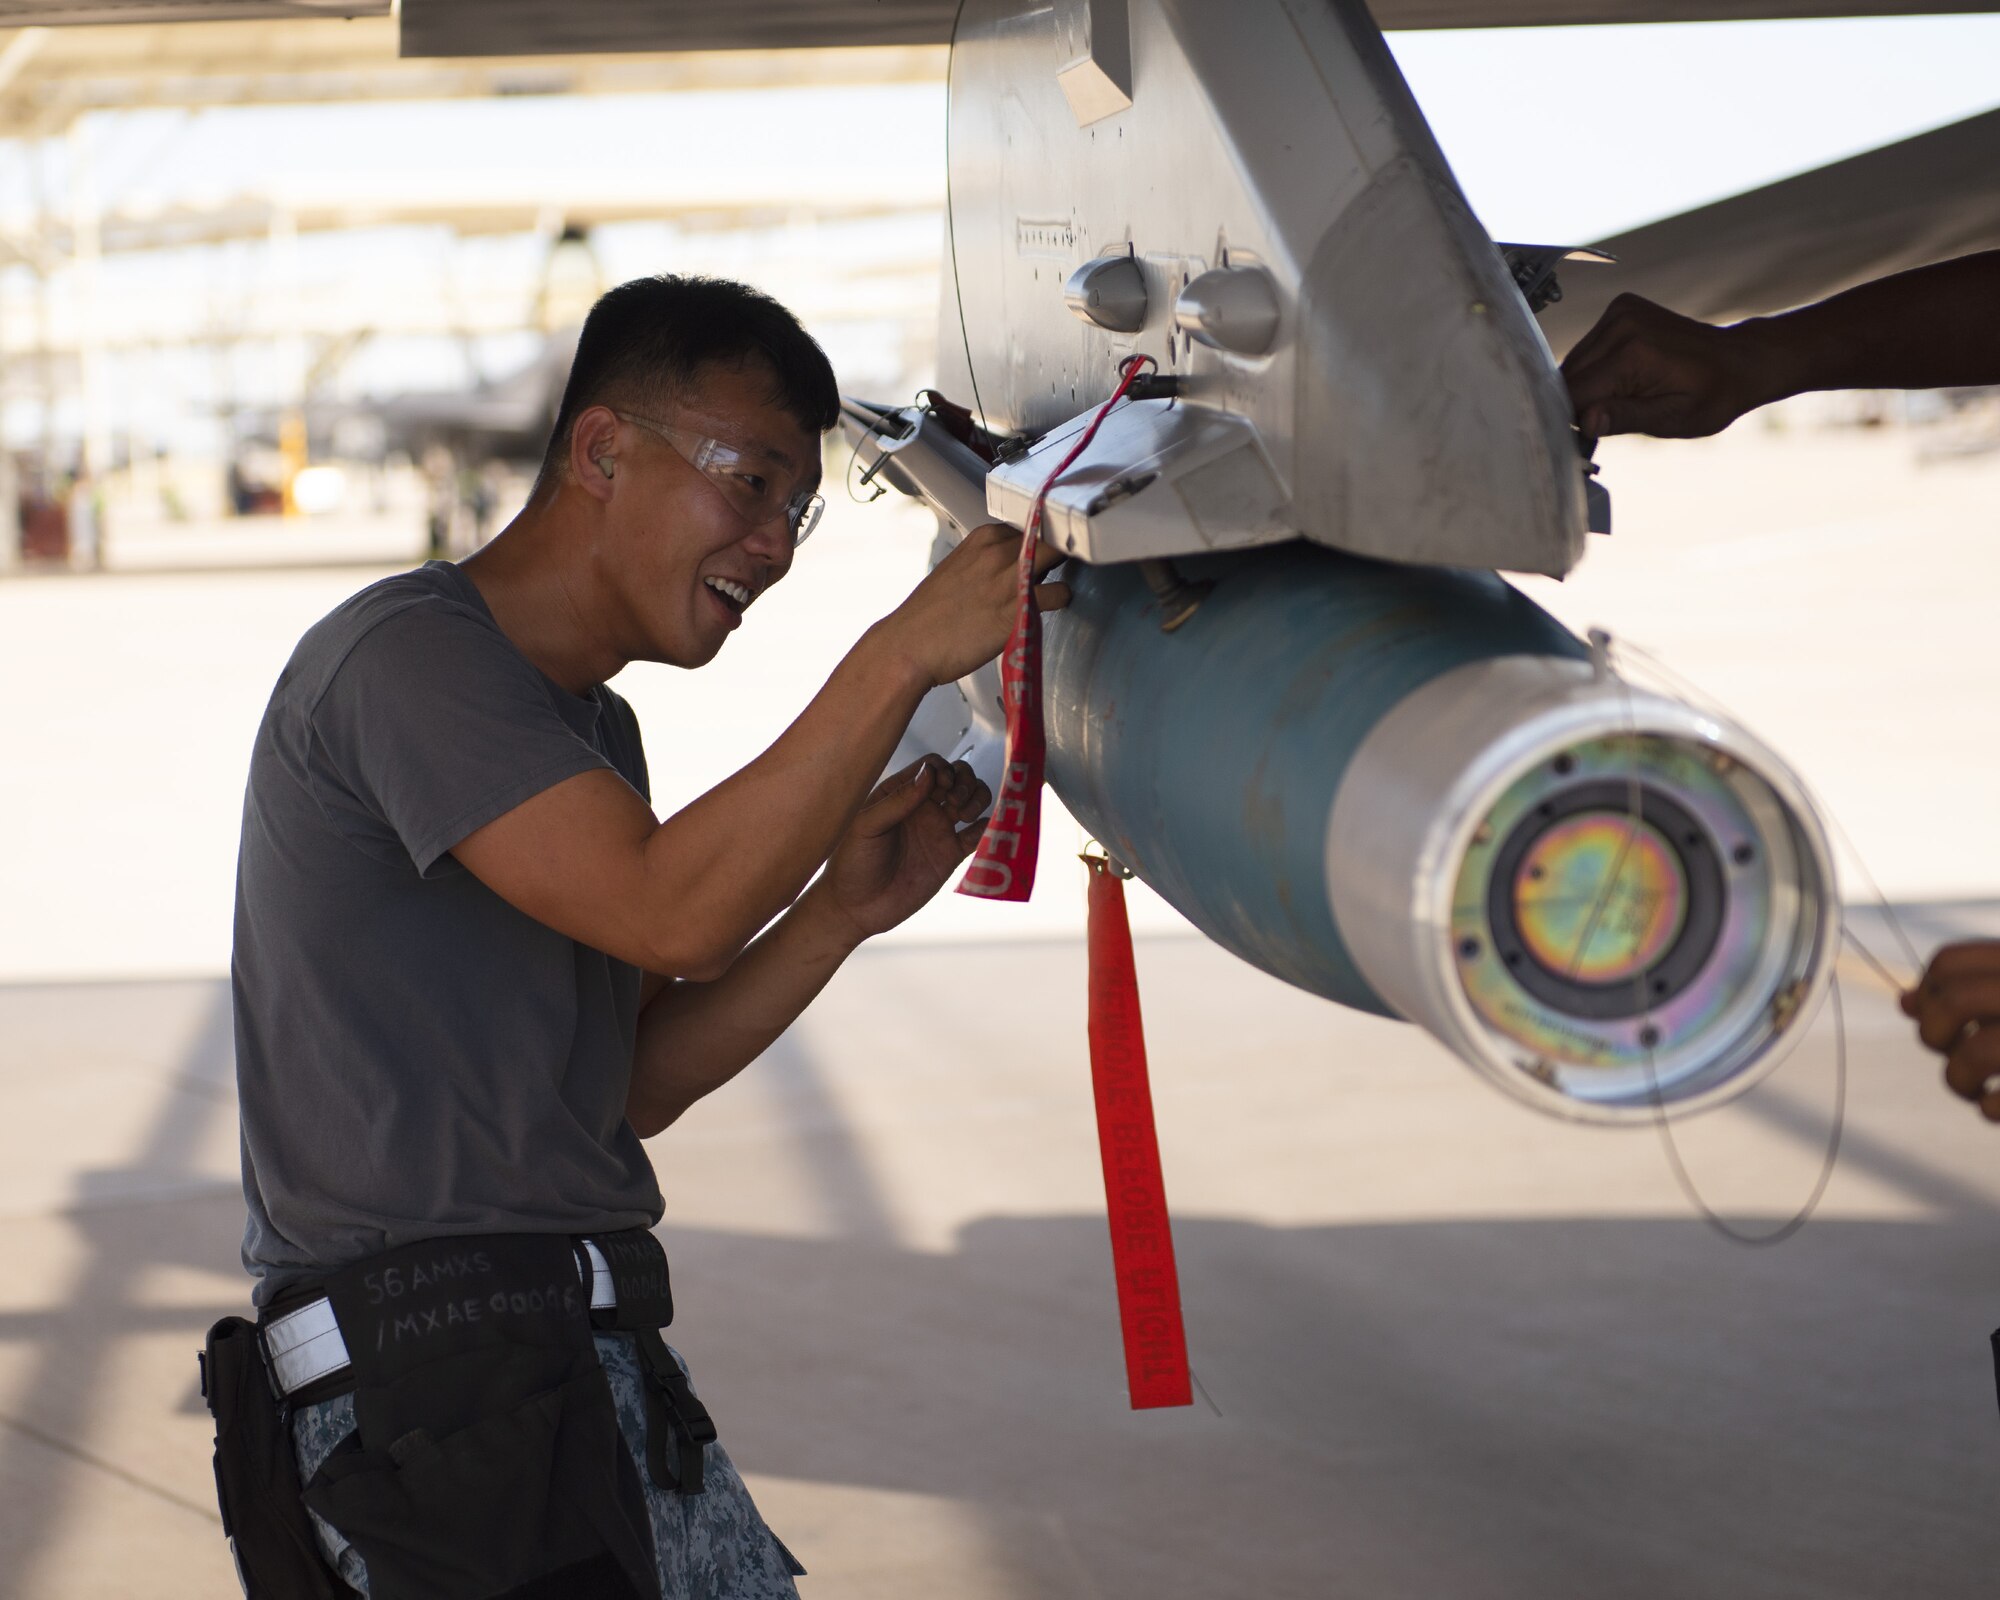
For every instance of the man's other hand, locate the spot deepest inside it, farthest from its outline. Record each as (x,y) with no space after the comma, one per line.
(1645,369)
(960,616)
(907,839)
(1956,1005)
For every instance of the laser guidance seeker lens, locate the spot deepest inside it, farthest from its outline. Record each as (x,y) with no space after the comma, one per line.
(1629,915)
(1598,898)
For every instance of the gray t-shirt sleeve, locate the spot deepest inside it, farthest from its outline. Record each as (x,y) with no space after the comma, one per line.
(430,727)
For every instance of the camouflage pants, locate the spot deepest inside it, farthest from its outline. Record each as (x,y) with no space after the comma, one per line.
(710,1546)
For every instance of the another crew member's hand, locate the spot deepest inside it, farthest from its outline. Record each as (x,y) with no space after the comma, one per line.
(1956,1005)
(908,837)
(960,616)
(1645,369)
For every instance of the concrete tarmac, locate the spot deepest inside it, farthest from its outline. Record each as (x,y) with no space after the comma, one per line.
(1446,1346)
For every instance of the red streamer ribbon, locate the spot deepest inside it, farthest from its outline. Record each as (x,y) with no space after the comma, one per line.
(1003,867)
(1135,1191)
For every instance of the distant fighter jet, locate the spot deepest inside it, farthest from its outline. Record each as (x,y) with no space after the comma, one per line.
(507,419)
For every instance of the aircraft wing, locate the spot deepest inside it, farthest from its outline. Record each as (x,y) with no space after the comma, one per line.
(1924,199)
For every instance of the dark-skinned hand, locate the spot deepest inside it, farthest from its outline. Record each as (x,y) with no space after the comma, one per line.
(1645,369)
(1956,1005)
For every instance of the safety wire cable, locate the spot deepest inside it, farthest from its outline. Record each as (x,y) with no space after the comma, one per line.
(874,430)
(1878,901)
(951,217)
(1604,654)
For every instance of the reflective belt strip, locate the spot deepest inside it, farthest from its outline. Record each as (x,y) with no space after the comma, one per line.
(1135,1192)
(304,1345)
(603,1287)
(1003,866)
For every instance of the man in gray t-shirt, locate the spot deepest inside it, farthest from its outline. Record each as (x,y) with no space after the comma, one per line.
(417,1058)
(473,970)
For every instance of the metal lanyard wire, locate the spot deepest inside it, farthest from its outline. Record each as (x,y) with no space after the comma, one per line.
(1603,654)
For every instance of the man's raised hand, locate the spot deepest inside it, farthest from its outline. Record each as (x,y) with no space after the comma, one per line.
(960,616)
(908,837)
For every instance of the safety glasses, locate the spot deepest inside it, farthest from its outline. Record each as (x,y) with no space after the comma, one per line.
(750,491)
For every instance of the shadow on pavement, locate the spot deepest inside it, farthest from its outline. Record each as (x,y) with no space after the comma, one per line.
(1455,1408)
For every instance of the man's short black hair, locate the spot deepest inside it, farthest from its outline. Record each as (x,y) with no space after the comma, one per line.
(646,339)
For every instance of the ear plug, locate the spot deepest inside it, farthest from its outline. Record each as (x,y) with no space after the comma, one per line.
(604,465)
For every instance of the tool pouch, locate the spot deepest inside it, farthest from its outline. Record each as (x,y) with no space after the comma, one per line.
(678,1427)
(486,1462)
(256,1474)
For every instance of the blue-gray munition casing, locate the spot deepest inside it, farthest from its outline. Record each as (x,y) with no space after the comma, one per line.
(1207,759)
(1412,791)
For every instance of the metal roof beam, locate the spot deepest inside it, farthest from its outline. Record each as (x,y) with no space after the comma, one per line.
(40,14)
(49,76)
(252,217)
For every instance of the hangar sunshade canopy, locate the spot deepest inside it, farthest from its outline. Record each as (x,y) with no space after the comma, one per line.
(530,27)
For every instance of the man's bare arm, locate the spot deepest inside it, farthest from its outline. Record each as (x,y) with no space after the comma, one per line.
(683,897)
(695,1037)
(1644,369)
(901,848)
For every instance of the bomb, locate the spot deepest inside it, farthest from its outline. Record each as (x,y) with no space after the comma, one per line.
(1413,792)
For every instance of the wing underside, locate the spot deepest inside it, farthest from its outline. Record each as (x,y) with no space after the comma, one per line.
(1924,199)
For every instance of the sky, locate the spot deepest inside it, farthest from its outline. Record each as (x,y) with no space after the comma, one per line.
(1572,134)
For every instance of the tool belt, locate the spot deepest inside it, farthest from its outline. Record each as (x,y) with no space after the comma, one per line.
(486,1462)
